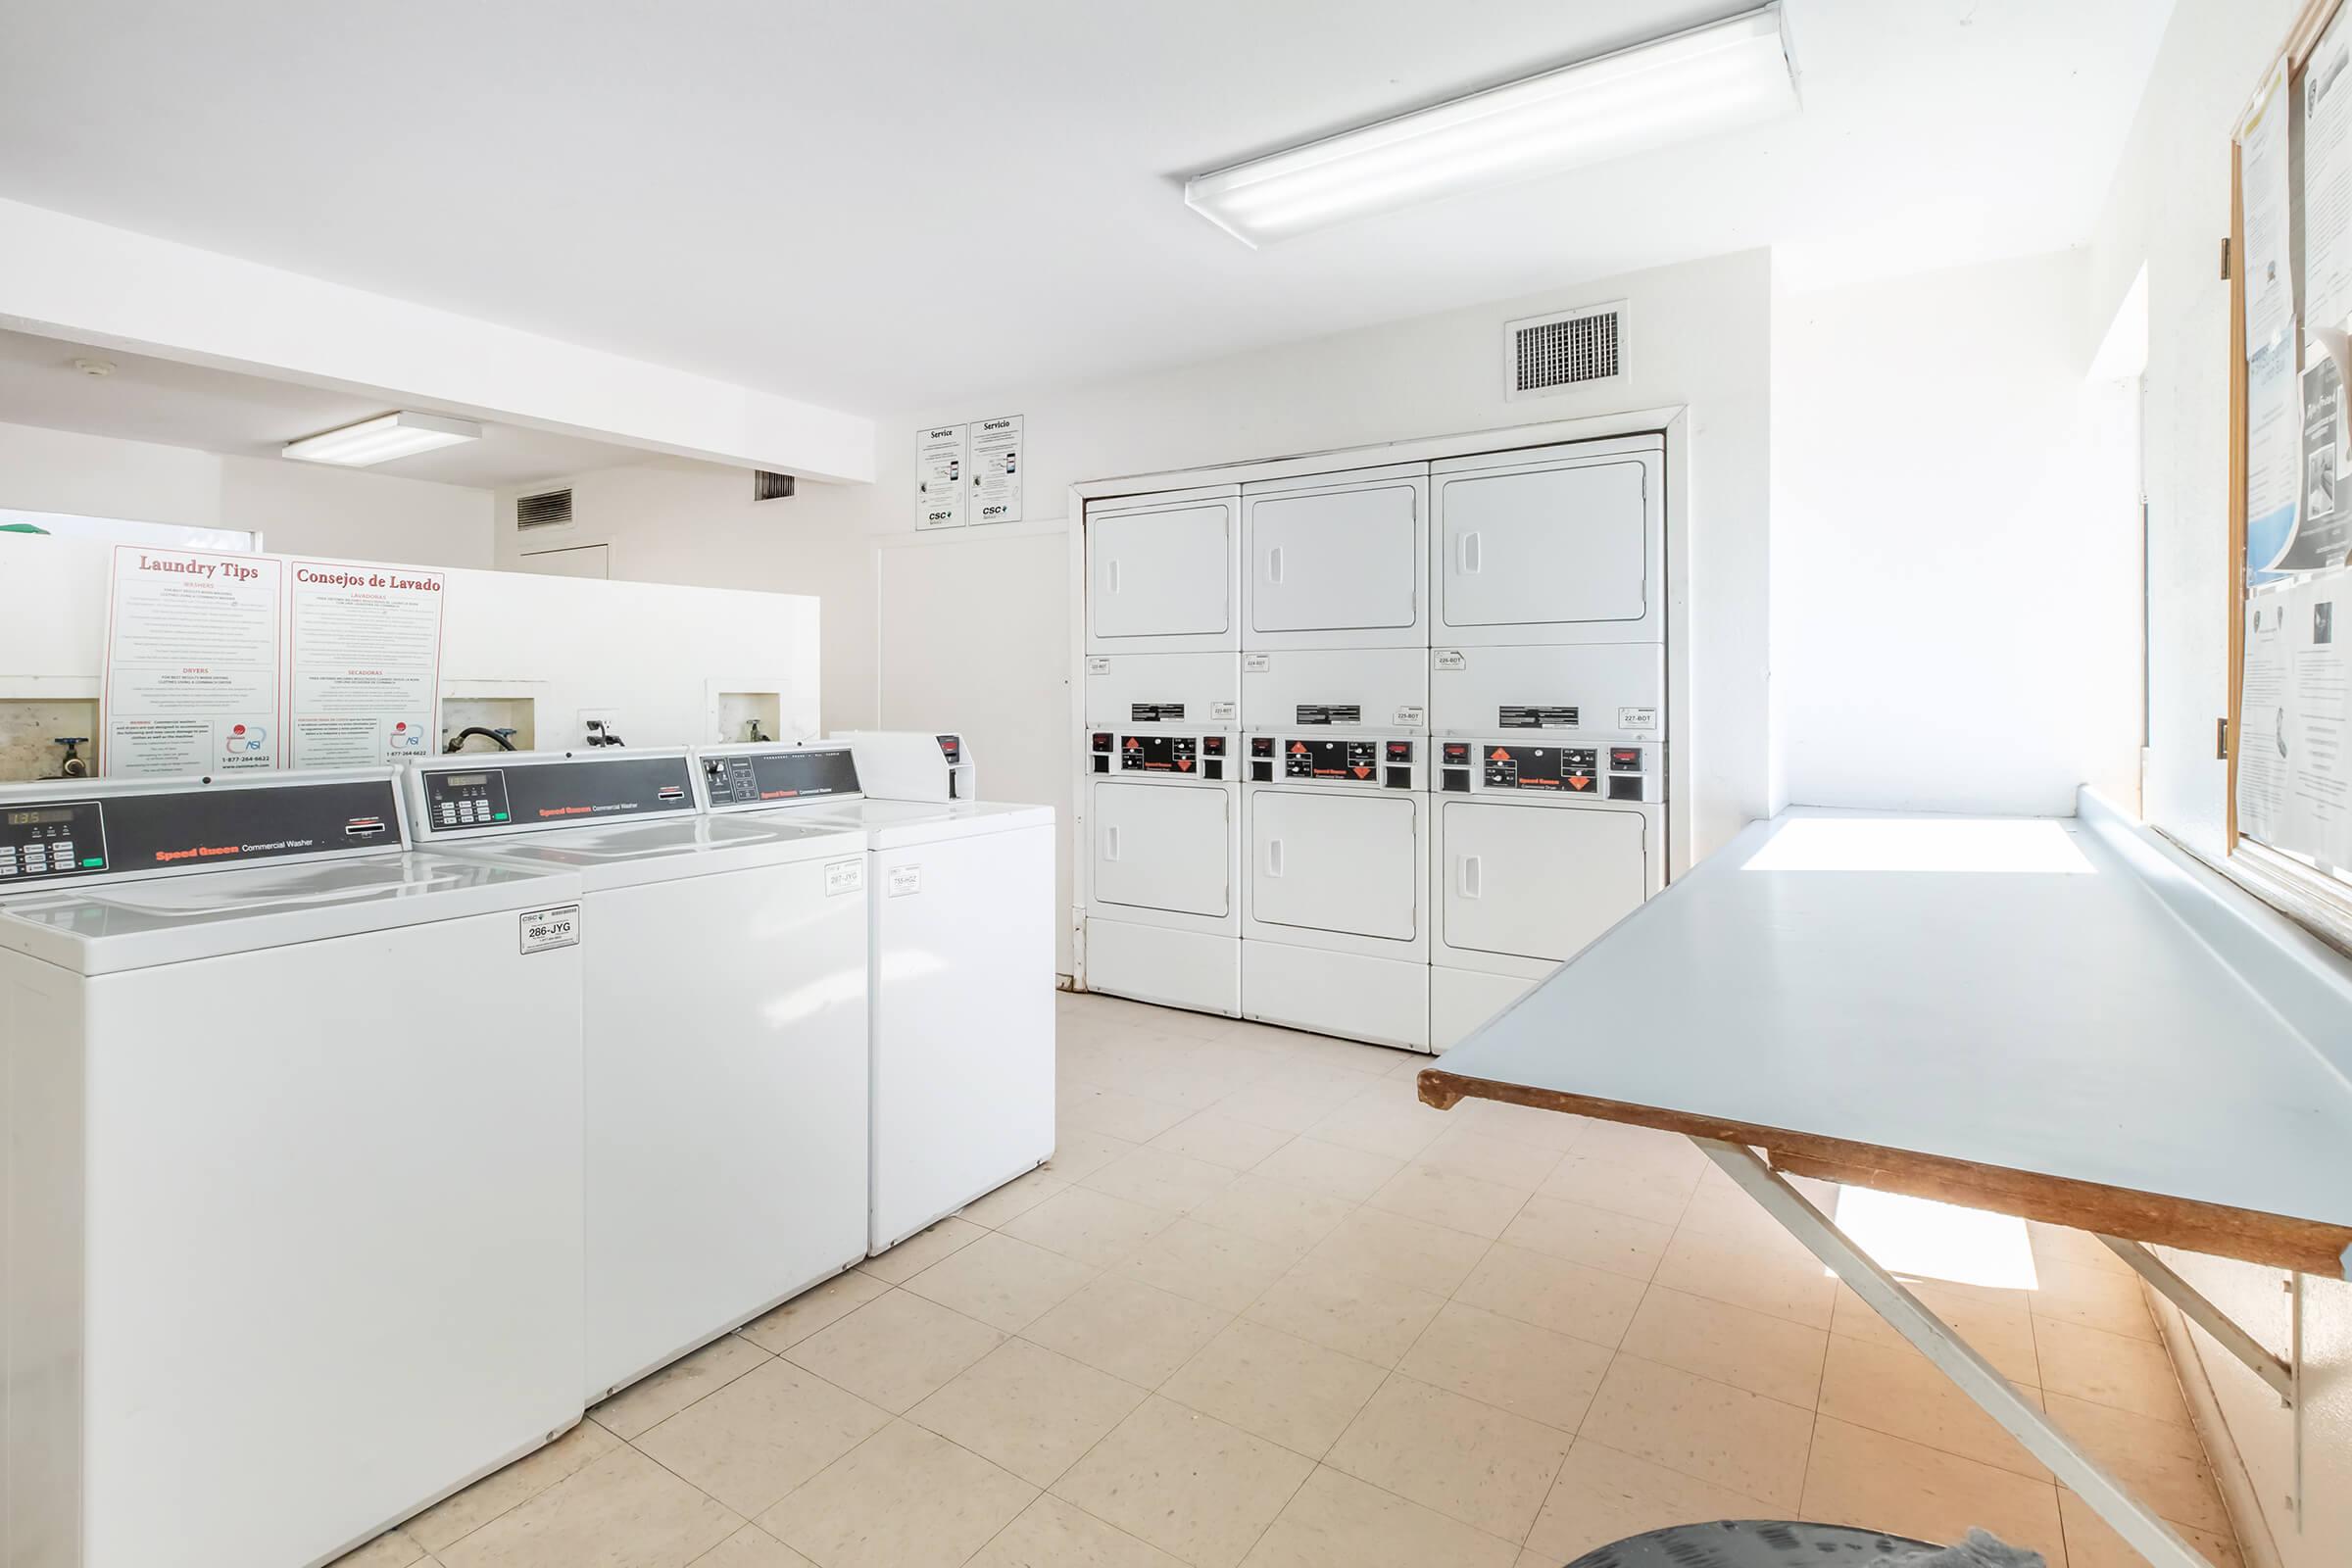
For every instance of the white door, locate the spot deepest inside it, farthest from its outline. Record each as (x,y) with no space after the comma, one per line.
(1535,548)
(1160,574)
(1536,881)
(1348,559)
(1163,847)
(1335,861)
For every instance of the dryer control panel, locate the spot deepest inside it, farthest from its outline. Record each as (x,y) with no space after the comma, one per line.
(1207,756)
(1623,770)
(1357,762)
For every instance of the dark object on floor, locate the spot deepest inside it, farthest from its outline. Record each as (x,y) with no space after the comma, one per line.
(1775,1544)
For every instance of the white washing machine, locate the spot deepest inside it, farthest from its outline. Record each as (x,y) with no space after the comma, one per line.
(1163,572)
(1335,917)
(1550,545)
(1338,560)
(1164,808)
(1542,844)
(725,1036)
(961,945)
(293,1180)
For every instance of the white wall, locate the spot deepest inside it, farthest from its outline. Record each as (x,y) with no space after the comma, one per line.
(1956,540)
(974,629)
(2170,209)
(300,507)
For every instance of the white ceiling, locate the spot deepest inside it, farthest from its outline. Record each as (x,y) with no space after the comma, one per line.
(896,205)
(248,416)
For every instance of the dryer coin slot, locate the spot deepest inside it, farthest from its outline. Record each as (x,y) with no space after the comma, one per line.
(1625,758)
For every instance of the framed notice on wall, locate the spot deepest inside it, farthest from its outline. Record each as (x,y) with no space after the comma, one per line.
(193,679)
(364,662)
(939,458)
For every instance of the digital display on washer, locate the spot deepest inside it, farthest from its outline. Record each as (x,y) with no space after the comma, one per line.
(202,826)
(795,774)
(579,790)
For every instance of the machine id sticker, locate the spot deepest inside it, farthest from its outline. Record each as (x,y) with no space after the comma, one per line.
(1636,719)
(1412,717)
(1446,658)
(1257,663)
(905,880)
(1225,710)
(844,876)
(1098,666)
(543,929)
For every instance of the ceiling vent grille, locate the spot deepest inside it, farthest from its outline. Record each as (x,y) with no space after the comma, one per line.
(767,486)
(548,509)
(1549,354)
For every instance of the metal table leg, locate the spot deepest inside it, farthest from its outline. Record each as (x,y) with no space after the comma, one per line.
(1976,1377)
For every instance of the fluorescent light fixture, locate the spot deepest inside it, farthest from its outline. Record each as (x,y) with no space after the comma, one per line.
(1703,82)
(383,438)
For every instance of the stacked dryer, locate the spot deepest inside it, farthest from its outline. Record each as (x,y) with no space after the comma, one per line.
(1335,695)
(1547,704)
(1162,792)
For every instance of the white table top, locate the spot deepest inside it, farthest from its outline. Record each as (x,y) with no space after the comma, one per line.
(2008,993)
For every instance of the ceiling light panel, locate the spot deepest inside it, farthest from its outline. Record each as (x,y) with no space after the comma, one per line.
(1720,77)
(383,439)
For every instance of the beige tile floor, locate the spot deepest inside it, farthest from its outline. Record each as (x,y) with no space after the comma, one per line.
(1264,1309)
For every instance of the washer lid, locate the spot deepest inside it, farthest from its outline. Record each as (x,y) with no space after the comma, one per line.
(621,855)
(134,925)
(888,824)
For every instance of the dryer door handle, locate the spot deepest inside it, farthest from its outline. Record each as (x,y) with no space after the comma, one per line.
(1274,565)
(1111,843)
(1273,856)
(1110,575)
(1467,554)
(1471,877)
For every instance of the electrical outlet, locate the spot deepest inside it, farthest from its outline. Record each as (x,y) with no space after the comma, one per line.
(609,718)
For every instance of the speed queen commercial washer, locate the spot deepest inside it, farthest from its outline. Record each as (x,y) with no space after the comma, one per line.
(293,1175)
(961,902)
(724,1036)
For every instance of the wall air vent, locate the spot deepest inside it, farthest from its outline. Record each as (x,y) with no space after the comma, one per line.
(1549,354)
(548,509)
(767,486)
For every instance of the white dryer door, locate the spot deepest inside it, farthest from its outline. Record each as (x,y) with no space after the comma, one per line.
(1536,881)
(1163,847)
(1161,571)
(1335,862)
(1342,560)
(1544,546)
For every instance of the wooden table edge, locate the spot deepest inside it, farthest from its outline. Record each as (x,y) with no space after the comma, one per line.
(2275,1241)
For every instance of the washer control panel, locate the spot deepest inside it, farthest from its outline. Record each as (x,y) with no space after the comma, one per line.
(65,837)
(1371,762)
(1205,756)
(778,777)
(180,826)
(501,798)
(1625,770)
